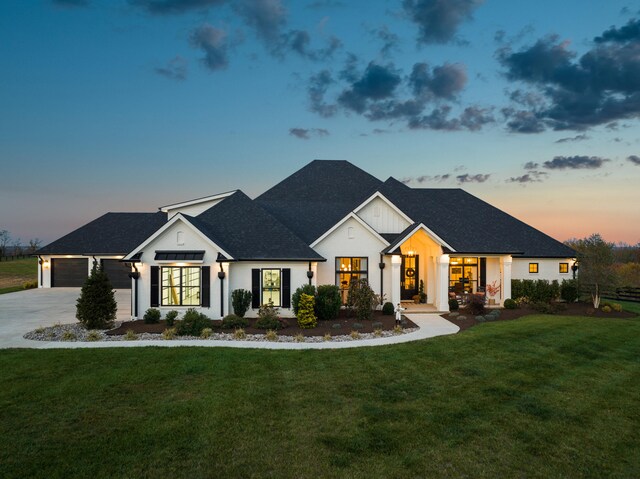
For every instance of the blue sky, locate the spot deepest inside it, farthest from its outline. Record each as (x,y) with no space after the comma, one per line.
(126,105)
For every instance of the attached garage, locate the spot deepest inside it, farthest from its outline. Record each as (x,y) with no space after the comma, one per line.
(69,272)
(118,273)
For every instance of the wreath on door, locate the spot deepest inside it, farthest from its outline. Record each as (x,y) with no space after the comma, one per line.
(410,272)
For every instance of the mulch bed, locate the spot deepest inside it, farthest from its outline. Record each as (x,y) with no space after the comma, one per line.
(567,309)
(324,327)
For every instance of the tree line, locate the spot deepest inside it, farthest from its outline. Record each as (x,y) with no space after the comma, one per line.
(7,242)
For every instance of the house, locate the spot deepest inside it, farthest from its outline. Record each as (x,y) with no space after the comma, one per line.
(328,223)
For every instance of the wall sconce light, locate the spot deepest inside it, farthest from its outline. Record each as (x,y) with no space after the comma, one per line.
(46,264)
(309,274)
(221,274)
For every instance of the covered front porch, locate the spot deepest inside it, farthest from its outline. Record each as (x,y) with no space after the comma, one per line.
(426,269)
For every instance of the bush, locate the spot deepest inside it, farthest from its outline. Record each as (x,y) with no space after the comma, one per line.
(304,289)
(170,318)
(169,333)
(233,321)
(606,309)
(239,334)
(268,317)
(306,315)
(30,284)
(616,307)
(475,306)
(388,309)
(130,335)
(510,304)
(240,300)
(328,301)
(206,333)
(535,291)
(271,335)
(327,337)
(453,304)
(94,336)
(361,299)
(151,316)
(299,338)
(354,335)
(96,307)
(192,323)
(69,336)
(569,290)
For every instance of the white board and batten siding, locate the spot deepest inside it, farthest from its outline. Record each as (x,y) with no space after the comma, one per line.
(382,217)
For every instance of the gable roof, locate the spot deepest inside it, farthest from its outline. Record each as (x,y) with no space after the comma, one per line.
(248,232)
(471,225)
(316,197)
(112,233)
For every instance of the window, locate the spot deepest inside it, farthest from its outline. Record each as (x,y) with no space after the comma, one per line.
(349,269)
(271,286)
(180,286)
(533,267)
(463,274)
(564,267)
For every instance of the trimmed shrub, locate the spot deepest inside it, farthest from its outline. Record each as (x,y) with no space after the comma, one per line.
(475,306)
(295,298)
(569,290)
(30,284)
(240,300)
(361,299)
(328,301)
(510,304)
(192,323)
(306,315)
(151,316)
(616,307)
(535,290)
(96,307)
(336,326)
(606,309)
(233,321)
(170,318)
(453,304)
(268,317)
(388,309)
(358,326)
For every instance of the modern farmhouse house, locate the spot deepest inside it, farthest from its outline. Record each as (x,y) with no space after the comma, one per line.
(328,223)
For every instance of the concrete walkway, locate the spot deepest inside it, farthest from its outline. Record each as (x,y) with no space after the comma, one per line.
(27,310)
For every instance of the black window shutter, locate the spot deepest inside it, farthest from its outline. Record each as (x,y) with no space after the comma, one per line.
(155,286)
(205,294)
(286,288)
(483,272)
(255,288)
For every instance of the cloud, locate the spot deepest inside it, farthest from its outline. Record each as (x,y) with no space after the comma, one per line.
(438,20)
(635,159)
(71,3)
(390,41)
(530,165)
(266,17)
(575,92)
(174,7)
(631,31)
(299,41)
(472,118)
(574,138)
(444,81)
(306,133)
(575,163)
(529,177)
(316,90)
(426,179)
(377,83)
(176,69)
(213,42)
(467,178)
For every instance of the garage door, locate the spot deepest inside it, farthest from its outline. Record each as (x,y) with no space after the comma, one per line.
(118,273)
(69,272)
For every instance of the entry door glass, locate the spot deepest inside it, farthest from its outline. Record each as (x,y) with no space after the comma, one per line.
(409,277)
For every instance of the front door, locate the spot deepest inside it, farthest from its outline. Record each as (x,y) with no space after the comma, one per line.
(409,277)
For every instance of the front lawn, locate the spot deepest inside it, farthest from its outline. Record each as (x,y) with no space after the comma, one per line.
(541,396)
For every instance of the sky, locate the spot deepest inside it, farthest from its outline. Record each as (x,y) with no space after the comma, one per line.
(128,105)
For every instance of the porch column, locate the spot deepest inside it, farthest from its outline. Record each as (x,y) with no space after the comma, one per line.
(396,261)
(442,283)
(505,262)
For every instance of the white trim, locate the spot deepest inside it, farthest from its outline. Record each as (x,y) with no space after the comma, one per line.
(204,199)
(377,194)
(167,225)
(342,221)
(431,234)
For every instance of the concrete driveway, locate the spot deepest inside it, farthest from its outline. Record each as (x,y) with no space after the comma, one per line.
(25,311)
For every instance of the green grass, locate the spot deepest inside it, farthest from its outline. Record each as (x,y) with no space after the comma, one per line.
(629,306)
(14,273)
(542,396)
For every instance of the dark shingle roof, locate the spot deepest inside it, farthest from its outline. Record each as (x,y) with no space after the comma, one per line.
(316,197)
(112,233)
(248,232)
(471,225)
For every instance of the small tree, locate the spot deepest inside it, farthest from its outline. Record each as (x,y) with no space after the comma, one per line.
(5,238)
(328,301)
(34,245)
(306,314)
(361,298)
(240,300)
(295,298)
(595,257)
(96,307)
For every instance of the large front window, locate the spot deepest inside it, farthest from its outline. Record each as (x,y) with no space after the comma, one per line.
(271,286)
(180,286)
(350,269)
(463,274)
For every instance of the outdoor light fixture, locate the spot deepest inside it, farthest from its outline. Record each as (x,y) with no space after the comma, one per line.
(574,267)
(45,263)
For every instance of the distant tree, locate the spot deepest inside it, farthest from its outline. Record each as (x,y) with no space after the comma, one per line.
(34,245)
(96,307)
(18,250)
(596,259)
(5,239)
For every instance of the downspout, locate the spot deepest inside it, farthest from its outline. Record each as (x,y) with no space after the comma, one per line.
(134,299)
(41,263)
(381,266)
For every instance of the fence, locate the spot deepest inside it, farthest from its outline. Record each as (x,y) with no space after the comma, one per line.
(15,257)
(621,294)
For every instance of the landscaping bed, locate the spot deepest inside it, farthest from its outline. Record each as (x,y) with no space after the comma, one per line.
(465,320)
